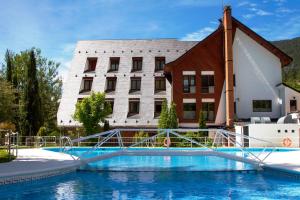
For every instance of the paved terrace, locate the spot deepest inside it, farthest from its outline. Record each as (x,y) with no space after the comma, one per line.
(289,161)
(36,161)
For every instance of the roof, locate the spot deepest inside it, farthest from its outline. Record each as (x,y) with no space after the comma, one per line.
(284,58)
(288,87)
(213,34)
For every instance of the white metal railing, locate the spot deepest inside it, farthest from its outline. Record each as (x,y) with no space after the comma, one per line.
(220,138)
(231,139)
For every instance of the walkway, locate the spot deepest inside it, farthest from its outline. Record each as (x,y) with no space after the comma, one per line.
(287,161)
(36,162)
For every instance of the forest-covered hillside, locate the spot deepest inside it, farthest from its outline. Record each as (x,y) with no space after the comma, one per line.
(291,73)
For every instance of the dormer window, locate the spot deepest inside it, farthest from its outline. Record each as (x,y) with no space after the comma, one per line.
(114,64)
(159,63)
(90,65)
(137,64)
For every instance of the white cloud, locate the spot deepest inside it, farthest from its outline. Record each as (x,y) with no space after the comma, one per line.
(214,22)
(198,35)
(291,29)
(274,31)
(246,3)
(248,16)
(256,12)
(263,13)
(284,10)
(260,12)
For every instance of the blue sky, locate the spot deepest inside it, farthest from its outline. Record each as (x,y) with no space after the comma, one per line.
(56,25)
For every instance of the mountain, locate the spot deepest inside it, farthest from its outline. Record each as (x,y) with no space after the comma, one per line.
(291,73)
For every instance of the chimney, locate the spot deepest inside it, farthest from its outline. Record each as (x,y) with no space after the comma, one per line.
(227,23)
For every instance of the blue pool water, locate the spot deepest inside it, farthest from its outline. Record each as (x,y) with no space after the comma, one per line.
(159,177)
(156,185)
(165,163)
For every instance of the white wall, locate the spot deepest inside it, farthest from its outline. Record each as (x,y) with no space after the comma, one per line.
(269,132)
(257,73)
(221,113)
(290,94)
(103,50)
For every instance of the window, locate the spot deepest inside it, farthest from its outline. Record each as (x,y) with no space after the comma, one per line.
(111,84)
(114,64)
(90,64)
(135,84)
(134,107)
(111,103)
(207,83)
(157,107)
(79,100)
(159,63)
(293,105)
(189,83)
(160,84)
(137,63)
(189,110)
(262,105)
(234,107)
(208,109)
(233,80)
(87,85)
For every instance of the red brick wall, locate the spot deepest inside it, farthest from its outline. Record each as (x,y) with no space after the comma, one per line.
(205,56)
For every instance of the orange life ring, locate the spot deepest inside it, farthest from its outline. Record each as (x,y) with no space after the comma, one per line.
(287,142)
(167,142)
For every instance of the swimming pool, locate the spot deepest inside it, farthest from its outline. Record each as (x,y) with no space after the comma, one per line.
(167,163)
(159,177)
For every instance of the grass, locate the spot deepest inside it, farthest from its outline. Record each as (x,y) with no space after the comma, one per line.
(4,157)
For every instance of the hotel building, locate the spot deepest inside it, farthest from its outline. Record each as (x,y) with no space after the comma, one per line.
(231,74)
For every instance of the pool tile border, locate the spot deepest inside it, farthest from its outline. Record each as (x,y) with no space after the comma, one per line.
(35,176)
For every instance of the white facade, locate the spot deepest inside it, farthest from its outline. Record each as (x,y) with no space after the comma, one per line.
(103,50)
(257,72)
(275,133)
(287,95)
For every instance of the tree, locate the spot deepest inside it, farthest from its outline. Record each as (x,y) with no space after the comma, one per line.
(163,117)
(91,111)
(202,124)
(202,121)
(172,119)
(7,99)
(168,116)
(33,117)
(9,66)
(49,86)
